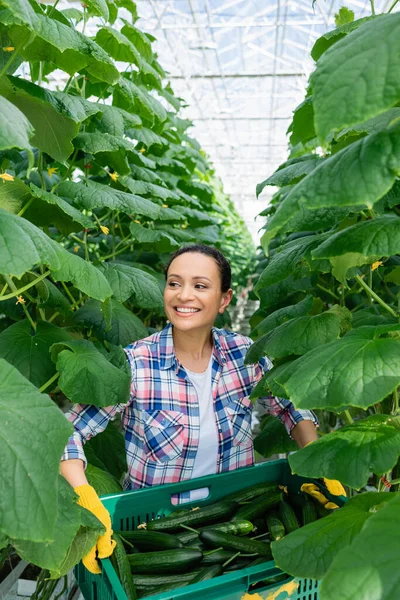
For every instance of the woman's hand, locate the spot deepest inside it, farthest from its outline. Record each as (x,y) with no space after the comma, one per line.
(333,487)
(104,546)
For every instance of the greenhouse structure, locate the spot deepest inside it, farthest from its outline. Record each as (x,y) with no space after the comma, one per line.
(199,299)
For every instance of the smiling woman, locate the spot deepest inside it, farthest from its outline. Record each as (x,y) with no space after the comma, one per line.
(189,412)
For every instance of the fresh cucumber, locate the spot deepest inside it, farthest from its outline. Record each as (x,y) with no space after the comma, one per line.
(121,565)
(252,492)
(152,540)
(259,506)
(275,526)
(201,516)
(239,527)
(207,573)
(239,563)
(143,581)
(308,511)
(217,539)
(288,517)
(165,561)
(216,558)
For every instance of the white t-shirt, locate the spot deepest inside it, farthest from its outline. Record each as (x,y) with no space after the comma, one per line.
(207,451)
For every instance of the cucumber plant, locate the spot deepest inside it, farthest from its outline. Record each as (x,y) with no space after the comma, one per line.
(330,304)
(100,181)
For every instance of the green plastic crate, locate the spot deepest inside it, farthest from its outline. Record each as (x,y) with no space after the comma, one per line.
(129,509)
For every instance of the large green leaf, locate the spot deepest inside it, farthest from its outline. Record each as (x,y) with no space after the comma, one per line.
(297,336)
(309,551)
(273,438)
(70,517)
(160,240)
(331,37)
(354,185)
(75,220)
(284,262)
(139,39)
(95,195)
(63,46)
(127,281)
(115,120)
(93,143)
(98,8)
(318,218)
(34,433)
(372,125)
(302,127)
(86,376)
(125,327)
(360,369)
(268,385)
(367,569)
(13,194)
(15,129)
(371,444)
(103,482)
(282,315)
(131,97)
(365,241)
(149,189)
(345,87)
(109,447)
(28,350)
(22,10)
(117,45)
(291,173)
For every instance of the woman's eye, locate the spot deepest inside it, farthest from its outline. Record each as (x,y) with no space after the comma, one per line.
(201,286)
(172,283)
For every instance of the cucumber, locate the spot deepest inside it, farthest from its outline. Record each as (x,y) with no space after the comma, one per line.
(119,561)
(259,506)
(143,581)
(288,517)
(308,511)
(201,516)
(252,492)
(216,558)
(217,539)
(207,573)
(165,561)
(259,526)
(257,561)
(275,526)
(239,527)
(239,563)
(152,540)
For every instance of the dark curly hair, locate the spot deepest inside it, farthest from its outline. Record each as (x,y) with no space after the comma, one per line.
(223,265)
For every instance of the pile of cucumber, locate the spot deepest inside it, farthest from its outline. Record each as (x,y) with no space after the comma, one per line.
(193,545)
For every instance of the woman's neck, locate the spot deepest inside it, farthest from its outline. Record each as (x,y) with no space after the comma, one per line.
(197,344)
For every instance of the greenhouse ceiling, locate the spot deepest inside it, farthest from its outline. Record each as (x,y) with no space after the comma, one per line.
(242,66)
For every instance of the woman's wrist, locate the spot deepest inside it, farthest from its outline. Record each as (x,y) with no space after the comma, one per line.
(74,472)
(304,433)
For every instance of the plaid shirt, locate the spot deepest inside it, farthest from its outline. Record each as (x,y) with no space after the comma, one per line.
(161,418)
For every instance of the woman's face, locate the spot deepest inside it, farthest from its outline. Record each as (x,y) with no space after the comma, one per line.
(193,296)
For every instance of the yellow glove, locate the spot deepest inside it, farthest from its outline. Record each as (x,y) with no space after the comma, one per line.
(104,546)
(334,487)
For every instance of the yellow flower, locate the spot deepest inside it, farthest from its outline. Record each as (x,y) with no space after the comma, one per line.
(76,248)
(51,171)
(114,176)
(142,150)
(165,205)
(183,226)
(136,221)
(8,49)
(376,264)
(104,229)
(20,300)
(6,177)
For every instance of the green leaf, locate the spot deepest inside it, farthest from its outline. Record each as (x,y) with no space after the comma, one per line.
(15,129)
(143,188)
(267,384)
(309,551)
(147,137)
(364,242)
(93,143)
(302,127)
(140,40)
(103,482)
(125,326)
(65,47)
(357,370)
(34,433)
(371,444)
(13,194)
(291,173)
(83,275)
(297,336)
(317,219)
(367,568)
(346,71)
(331,37)
(273,438)
(94,195)
(372,125)
(160,240)
(353,184)
(28,350)
(131,97)
(51,555)
(282,315)
(22,11)
(109,447)
(98,8)
(86,376)
(127,281)
(117,45)
(343,16)
(78,219)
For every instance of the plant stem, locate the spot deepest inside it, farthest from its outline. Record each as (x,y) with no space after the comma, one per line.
(24,308)
(4,289)
(18,292)
(68,84)
(70,296)
(393,5)
(395,409)
(10,60)
(321,287)
(348,417)
(49,382)
(372,3)
(40,169)
(375,296)
(231,559)
(209,552)
(53,316)
(85,246)
(189,528)
(24,208)
(114,253)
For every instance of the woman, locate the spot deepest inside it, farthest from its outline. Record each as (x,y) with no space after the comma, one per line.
(189,412)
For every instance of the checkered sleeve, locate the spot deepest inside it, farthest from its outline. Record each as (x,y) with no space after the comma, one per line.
(281,407)
(89,420)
